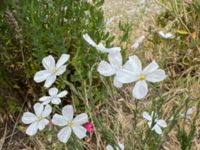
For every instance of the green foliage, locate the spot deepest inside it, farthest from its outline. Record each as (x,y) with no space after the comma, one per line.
(31,30)
(126,29)
(186,139)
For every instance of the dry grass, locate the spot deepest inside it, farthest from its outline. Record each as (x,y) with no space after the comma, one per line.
(139,13)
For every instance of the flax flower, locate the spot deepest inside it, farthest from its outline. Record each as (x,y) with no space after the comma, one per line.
(52,70)
(154,123)
(54,96)
(69,124)
(132,71)
(38,120)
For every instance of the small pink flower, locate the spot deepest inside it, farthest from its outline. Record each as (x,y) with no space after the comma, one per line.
(50,124)
(89,127)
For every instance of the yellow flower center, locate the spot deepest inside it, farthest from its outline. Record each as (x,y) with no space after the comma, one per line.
(142,77)
(55,71)
(70,124)
(40,118)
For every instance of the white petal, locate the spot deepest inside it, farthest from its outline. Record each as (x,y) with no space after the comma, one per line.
(169,36)
(28,118)
(138,42)
(56,101)
(140,39)
(100,47)
(115,59)
(79,131)
(32,129)
(40,76)
(121,146)
(109,147)
(135,45)
(162,123)
(53,91)
(133,65)
(62,60)
(113,49)
(61,70)
(42,124)
(64,134)
(47,110)
(189,111)
(125,76)
(157,129)
(105,69)
(59,120)
(48,62)
(161,34)
(38,108)
(81,119)
(68,112)
(153,66)
(46,102)
(103,49)
(116,83)
(166,35)
(50,80)
(88,39)
(62,94)
(147,116)
(140,90)
(45,98)
(156,76)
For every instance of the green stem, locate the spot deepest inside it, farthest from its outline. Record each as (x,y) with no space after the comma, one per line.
(73,89)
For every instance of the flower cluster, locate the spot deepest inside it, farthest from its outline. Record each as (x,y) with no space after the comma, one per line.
(129,72)
(42,110)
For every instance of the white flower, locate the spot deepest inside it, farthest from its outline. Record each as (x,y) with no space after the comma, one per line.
(52,70)
(37,120)
(100,47)
(154,123)
(119,147)
(138,42)
(109,69)
(70,124)
(188,113)
(132,71)
(166,35)
(54,97)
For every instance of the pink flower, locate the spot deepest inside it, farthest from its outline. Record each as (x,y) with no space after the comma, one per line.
(89,127)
